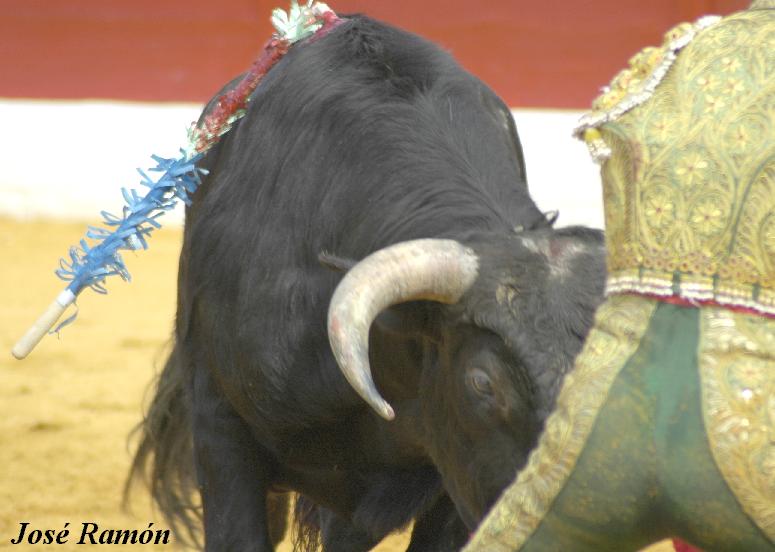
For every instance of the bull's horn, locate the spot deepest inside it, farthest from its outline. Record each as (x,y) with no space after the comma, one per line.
(430,269)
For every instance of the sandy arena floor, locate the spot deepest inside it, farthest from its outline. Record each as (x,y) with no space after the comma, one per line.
(67,410)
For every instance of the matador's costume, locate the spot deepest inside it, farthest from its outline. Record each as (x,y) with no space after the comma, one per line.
(666,427)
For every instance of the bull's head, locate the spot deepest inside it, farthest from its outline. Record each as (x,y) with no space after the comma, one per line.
(510,314)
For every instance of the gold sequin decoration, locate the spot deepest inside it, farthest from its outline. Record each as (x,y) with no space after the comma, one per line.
(620,323)
(635,84)
(737,373)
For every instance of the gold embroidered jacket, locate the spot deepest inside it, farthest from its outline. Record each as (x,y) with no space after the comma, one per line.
(688,132)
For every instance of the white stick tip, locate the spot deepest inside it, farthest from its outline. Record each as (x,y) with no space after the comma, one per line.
(42,325)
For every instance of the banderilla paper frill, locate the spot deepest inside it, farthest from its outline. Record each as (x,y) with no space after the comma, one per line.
(89,263)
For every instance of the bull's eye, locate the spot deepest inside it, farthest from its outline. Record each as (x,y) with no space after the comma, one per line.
(480,381)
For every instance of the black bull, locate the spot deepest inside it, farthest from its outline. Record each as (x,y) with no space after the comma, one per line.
(366,139)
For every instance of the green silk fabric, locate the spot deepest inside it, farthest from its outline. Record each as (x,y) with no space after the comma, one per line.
(646,472)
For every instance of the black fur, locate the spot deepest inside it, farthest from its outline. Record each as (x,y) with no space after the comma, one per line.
(365,138)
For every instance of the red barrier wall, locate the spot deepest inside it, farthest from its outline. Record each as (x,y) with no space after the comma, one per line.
(548,53)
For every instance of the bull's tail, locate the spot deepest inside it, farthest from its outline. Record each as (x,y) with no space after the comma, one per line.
(306,528)
(164,457)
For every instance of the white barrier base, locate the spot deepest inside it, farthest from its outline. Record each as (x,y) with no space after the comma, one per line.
(69,159)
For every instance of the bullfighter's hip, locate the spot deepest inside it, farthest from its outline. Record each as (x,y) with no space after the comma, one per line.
(666,427)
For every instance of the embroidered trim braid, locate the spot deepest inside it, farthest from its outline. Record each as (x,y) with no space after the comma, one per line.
(693,288)
(737,376)
(633,86)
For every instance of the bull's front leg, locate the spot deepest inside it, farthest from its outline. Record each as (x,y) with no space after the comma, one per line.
(233,472)
(439,529)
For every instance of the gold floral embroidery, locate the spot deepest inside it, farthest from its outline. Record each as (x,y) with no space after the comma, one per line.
(689,187)
(730,64)
(708,217)
(737,373)
(691,168)
(659,208)
(707,83)
(714,104)
(739,137)
(662,127)
(620,324)
(733,87)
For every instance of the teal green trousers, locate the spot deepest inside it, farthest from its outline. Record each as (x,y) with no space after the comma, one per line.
(645,469)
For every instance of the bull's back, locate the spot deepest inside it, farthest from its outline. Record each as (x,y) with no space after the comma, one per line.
(366,137)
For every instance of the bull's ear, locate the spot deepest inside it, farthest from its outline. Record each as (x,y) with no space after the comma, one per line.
(413,319)
(337,264)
